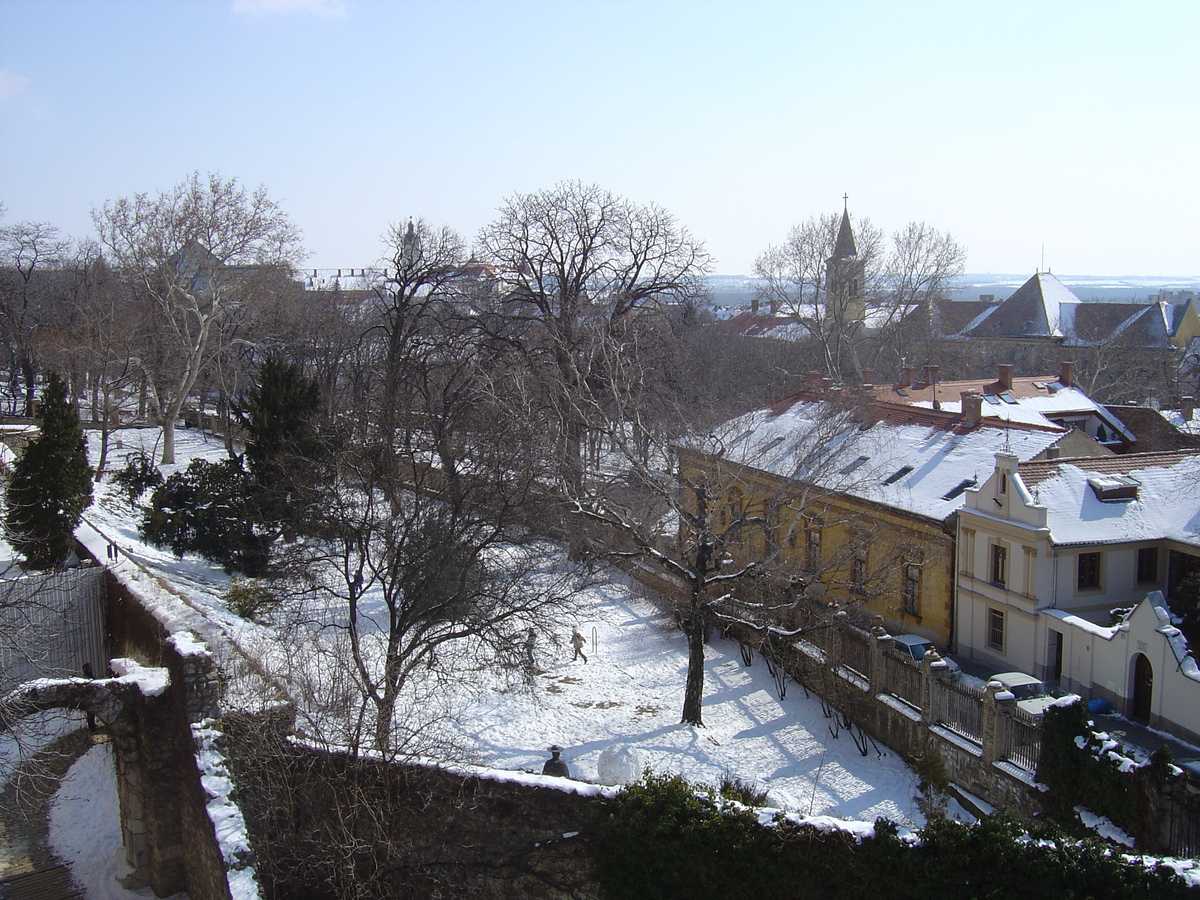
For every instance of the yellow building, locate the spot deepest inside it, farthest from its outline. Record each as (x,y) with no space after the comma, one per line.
(852,499)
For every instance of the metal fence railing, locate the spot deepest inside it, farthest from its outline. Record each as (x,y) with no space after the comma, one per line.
(51,623)
(1019,739)
(902,679)
(959,708)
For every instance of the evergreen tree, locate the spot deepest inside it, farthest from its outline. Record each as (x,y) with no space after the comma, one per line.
(51,484)
(283,445)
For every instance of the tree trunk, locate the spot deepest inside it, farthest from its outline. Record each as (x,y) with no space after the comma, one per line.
(693,693)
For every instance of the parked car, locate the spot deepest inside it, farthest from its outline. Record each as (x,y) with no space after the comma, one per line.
(915,647)
(1032,696)
(1191,770)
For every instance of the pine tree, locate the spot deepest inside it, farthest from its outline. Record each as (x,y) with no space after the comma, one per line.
(51,483)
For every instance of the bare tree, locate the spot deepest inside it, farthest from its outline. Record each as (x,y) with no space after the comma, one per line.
(194,252)
(582,261)
(431,588)
(796,278)
(31,255)
(894,282)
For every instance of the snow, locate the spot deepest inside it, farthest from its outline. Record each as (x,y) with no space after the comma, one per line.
(614,716)
(85,828)
(811,440)
(1167,505)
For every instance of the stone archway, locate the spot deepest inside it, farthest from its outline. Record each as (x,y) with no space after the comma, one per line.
(1142,694)
(137,710)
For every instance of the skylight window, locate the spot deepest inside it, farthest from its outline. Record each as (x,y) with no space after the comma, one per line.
(1040,385)
(992,399)
(741,437)
(1008,398)
(854,465)
(897,475)
(958,489)
(771,444)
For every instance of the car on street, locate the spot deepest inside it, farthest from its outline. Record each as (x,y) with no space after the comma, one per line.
(915,647)
(1031,695)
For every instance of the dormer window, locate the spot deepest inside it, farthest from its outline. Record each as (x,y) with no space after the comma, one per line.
(1114,488)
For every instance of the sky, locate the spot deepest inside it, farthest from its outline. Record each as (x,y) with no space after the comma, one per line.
(1057,135)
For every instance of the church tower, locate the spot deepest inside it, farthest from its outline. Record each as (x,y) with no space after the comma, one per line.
(844,275)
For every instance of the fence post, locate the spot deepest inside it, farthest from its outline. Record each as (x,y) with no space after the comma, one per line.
(875,656)
(989,722)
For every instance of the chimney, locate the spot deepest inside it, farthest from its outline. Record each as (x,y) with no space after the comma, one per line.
(1005,376)
(1053,452)
(826,386)
(868,376)
(812,381)
(1187,408)
(1066,374)
(910,376)
(972,407)
(931,374)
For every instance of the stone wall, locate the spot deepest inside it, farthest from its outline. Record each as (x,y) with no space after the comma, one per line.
(168,833)
(326,825)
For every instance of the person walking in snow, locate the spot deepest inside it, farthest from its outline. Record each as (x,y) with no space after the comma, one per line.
(530,644)
(577,642)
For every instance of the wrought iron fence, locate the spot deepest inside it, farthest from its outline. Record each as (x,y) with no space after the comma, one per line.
(1019,739)
(959,708)
(902,679)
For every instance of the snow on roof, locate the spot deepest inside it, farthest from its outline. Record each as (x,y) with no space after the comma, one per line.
(911,459)
(1166,505)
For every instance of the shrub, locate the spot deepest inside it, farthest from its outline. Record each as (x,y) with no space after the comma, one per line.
(250,598)
(207,509)
(748,793)
(662,838)
(139,475)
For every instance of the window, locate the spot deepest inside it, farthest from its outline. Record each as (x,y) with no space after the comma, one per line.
(995,636)
(814,551)
(854,465)
(912,590)
(860,568)
(999,564)
(897,475)
(1147,565)
(957,490)
(1089,571)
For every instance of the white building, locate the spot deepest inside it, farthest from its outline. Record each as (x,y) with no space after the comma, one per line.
(1047,550)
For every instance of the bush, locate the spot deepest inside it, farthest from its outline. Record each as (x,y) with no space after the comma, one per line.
(139,475)
(250,598)
(662,838)
(207,509)
(748,793)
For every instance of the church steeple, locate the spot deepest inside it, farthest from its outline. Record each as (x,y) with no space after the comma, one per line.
(844,274)
(845,248)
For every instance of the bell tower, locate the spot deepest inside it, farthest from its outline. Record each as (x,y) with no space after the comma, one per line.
(844,271)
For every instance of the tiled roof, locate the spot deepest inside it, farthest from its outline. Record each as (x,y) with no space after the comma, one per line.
(1033,473)
(909,458)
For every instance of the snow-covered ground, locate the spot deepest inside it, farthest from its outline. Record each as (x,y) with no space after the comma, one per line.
(627,696)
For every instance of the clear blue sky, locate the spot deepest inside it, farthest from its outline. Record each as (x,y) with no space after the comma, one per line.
(1014,125)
